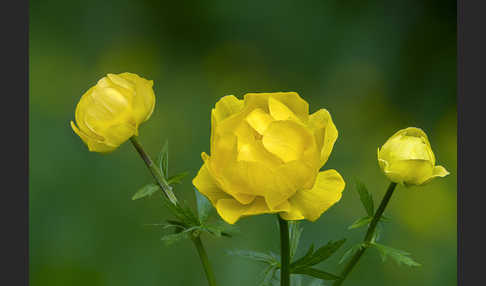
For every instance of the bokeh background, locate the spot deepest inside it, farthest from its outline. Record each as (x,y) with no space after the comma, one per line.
(377,66)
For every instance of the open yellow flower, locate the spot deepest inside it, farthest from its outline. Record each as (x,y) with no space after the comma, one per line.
(266,152)
(407,158)
(110,112)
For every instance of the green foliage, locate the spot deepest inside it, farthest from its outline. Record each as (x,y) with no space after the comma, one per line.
(312,258)
(350,252)
(204,206)
(400,256)
(177,178)
(145,191)
(366,198)
(164,159)
(295,232)
(316,273)
(361,222)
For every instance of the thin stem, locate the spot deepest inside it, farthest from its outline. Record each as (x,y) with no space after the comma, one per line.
(159,178)
(369,235)
(204,260)
(284,252)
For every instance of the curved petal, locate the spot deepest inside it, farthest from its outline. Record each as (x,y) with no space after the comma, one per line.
(207,186)
(280,111)
(231,211)
(438,171)
(143,94)
(325,132)
(409,172)
(287,140)
(227,106)
(326,191)
(294,102)
(407,144)
(259,120)
(93,144)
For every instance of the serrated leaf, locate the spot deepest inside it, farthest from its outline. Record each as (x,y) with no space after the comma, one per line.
(177,178)
(255,256)
(295,232)
(366,198)
(361,222)
(145,191)
(324,252)
(350,252)
(204,206)
(164,159)
(400,256)
(316,273)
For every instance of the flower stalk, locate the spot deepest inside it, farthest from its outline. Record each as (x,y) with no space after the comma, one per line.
(284,252)
(369,235)
(159,178)
(204,260)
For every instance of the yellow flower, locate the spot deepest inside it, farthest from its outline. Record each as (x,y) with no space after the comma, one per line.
(110,112)
(266,152)
(407,158)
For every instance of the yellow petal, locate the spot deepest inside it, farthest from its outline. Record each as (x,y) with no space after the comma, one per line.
(280,111)
(312,203)
(287,140)
(294,102)
(325,132)
(438,171)
(143,98)
(227,106)
(259,120)
(93,144)
(407,144)
(231,211)
(409,172)
(207,186)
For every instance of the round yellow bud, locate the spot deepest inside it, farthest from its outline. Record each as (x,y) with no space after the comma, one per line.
(110,112)
(407,158)
(266,152)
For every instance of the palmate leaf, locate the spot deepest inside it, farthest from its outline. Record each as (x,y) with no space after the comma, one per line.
(145,191)
(366,198)
(400,256)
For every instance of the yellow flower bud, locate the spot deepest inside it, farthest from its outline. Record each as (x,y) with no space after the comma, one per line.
(266,152)
(110,112)
(407,158)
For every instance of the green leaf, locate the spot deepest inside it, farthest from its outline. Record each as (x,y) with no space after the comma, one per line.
(400,256)
(350,252)
(169,239)
(361,222)
(295,231)
(316,273)
(220,228)
(145,191)
(365,197)
(204,207)
(177,178)
(164,159)
(303,259)
(255,256)
(268,275)
(324,252)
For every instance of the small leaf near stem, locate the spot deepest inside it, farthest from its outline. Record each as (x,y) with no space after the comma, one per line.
(369,235)
(159,178)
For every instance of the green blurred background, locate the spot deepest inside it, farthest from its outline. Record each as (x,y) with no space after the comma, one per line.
(377,66)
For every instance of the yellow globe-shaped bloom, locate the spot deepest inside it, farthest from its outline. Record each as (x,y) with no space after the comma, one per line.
(407,158)
(110,112)
(266,152)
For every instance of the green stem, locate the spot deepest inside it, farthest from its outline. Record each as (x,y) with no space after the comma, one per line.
(159,178)
(204,260)
(369,234)
(284,252)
